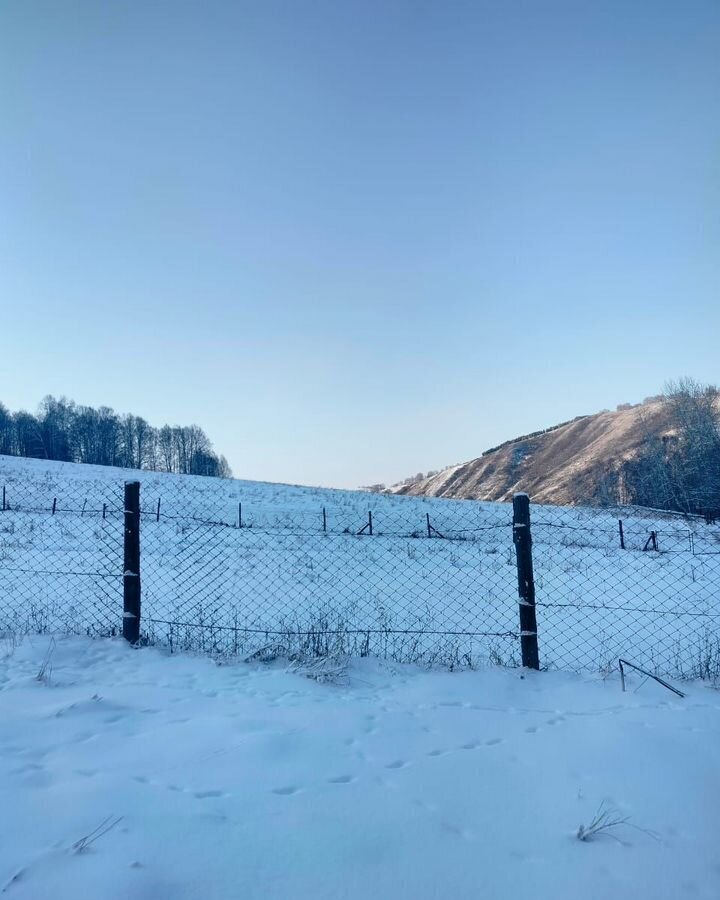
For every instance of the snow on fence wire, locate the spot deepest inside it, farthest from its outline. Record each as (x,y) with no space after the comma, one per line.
(640,591)
(409,586)
(411,581)
(60,561)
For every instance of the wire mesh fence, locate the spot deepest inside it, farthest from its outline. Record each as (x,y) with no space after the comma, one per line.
(642,587)
(353,574)
(60,561)
(396,587)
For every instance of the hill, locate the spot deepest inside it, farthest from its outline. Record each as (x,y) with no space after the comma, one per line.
(231,566)
(568,464)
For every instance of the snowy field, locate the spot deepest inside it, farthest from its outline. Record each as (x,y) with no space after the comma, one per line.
(251,781)
(282,579)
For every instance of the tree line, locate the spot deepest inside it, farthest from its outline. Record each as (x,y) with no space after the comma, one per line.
(63,430)
(679,468)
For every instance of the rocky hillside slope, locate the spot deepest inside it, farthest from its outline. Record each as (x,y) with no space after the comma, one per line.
(565,465)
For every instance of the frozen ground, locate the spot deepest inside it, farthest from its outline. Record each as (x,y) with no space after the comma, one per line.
(397,593)
(248,781)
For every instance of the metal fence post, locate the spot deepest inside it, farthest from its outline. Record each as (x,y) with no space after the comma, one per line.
(131,571)
(526,582)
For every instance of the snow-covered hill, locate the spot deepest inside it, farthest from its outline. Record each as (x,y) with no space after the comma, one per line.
(289,575)
(134,773)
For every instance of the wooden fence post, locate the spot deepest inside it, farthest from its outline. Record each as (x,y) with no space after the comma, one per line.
(622,534)
(526,582)
(131,571)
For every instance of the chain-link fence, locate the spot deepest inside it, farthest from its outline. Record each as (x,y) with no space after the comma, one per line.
(638,585)
(393,582)
(402,578)
(60,560)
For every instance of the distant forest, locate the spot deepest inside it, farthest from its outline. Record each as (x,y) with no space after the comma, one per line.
(62,430)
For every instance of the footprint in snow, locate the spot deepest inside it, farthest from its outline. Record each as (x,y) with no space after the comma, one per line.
(286,791)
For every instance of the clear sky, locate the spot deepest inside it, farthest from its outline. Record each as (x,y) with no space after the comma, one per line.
(354,240)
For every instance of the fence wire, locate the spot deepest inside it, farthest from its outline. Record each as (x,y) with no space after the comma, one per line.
(60,560)
(400,578)
(395,587)
(655,599)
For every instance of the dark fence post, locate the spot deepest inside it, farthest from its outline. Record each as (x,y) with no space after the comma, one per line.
(131,572)
(3,506)
(324,521)
(54,506)
(526,582)
(622,534)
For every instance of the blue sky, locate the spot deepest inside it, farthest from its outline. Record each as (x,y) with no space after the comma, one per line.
(354,240)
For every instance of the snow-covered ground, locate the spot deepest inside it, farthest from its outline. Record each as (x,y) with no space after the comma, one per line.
(397,593)
(249,781)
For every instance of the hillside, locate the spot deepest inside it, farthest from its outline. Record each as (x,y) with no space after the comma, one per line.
(563,465)
(143,761)
(227,563)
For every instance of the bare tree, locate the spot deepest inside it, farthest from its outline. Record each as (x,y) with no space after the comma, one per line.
(680,469)
(61,430)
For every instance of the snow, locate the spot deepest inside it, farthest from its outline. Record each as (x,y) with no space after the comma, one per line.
(248,780)
(596,602)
